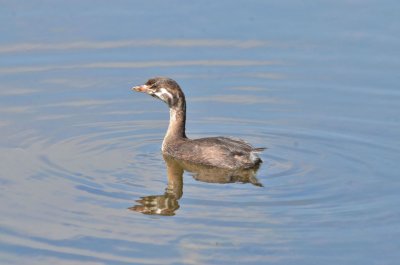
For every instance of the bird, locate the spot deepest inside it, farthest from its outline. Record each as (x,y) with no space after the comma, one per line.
(222,152)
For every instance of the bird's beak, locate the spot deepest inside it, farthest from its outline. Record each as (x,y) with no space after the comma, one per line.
(142,88)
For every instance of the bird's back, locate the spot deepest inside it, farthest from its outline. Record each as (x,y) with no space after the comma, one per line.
(222,152)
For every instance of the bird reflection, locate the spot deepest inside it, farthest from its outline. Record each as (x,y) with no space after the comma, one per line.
(168,203)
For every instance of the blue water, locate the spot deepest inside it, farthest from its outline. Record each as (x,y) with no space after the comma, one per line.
(314,81)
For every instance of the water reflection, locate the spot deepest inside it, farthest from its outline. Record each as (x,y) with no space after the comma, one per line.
(168,203)
(174,43)
(138,64)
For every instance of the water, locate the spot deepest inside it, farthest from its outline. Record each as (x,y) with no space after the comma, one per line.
(315,82)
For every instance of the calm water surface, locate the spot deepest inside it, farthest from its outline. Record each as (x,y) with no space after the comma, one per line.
(315,82)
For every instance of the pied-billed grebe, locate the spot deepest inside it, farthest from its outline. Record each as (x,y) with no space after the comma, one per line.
(220,152)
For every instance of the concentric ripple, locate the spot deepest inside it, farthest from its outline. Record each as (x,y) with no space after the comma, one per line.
(94,171)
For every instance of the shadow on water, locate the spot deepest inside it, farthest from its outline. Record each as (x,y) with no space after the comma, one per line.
(167,203)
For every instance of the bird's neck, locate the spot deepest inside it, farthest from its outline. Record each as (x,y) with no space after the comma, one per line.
(176,127)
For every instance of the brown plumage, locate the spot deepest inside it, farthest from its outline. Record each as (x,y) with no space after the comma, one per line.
(223,152)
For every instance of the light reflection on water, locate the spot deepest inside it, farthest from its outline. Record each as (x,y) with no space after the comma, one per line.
(78,148)
(129,65)
(29,47)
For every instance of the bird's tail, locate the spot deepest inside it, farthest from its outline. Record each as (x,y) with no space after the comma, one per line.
(259,149)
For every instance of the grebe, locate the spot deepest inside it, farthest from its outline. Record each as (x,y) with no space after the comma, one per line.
(222,152)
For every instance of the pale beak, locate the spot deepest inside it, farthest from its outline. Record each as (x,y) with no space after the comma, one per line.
(142,88)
